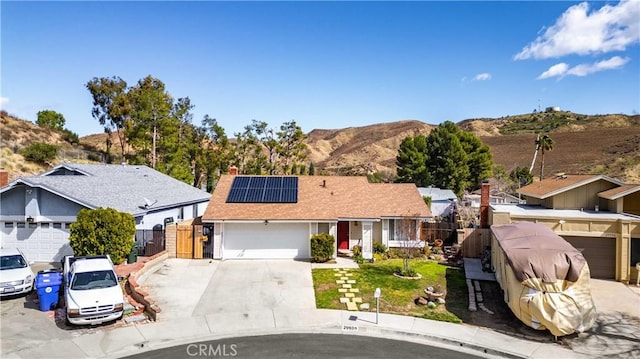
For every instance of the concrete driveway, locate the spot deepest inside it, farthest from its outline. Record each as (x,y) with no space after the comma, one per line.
(185,287)
(615,333)
(252,285)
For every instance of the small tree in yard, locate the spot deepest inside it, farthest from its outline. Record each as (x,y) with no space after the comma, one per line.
(410,244)
(102,231)
(322,247)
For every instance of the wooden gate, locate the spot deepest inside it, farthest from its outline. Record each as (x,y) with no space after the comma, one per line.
(190,239)
(184,242)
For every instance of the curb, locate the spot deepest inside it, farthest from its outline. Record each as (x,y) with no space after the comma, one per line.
(136,293)
(386,333)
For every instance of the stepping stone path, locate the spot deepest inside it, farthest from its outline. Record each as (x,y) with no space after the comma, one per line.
(347,290)
(475,297)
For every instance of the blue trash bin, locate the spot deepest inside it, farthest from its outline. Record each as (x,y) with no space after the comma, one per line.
(48,288)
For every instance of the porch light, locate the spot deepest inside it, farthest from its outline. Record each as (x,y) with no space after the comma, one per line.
(30,219)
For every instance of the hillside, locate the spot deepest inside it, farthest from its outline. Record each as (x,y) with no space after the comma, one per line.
(603,144)
(15,134)
(361,150)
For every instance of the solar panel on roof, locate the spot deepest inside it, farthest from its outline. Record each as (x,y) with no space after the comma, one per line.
(263,189)
(274,182)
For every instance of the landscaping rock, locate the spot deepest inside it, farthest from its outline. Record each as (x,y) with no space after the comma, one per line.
(422,301)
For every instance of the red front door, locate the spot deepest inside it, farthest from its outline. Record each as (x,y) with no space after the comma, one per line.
(343,235)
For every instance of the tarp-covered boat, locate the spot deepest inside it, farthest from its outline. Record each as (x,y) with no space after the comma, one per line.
(544,278)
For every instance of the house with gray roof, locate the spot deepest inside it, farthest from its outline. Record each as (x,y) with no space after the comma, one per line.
(36,212)
(442,200)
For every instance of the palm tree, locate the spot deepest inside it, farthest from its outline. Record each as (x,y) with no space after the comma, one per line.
(535,153)
(544,143)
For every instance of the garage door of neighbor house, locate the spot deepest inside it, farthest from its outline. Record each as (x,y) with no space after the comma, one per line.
(40,242)
(600,254)
(270,241)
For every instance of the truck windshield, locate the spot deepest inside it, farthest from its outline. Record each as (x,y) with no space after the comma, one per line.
(92,280)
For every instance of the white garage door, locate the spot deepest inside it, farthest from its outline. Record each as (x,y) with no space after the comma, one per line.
(271,241)
(40,242)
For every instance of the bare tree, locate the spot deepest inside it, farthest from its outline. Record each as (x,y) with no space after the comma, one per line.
(408,232)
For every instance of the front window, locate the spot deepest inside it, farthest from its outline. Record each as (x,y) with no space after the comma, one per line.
(12,262)
(92,280)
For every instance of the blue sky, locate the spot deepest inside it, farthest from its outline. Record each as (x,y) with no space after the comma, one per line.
(326,64)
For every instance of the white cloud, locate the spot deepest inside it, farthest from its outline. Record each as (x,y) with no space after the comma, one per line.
(482,77)
(555,70)
(611,28)
(561,70)
(3,101)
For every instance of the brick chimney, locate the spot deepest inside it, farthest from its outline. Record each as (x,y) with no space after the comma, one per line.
(484,204)
(233,170)
(4,178)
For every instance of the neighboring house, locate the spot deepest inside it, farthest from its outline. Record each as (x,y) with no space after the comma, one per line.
(496,197)
(275,216)
(442,200)
(597,214)
(36,212)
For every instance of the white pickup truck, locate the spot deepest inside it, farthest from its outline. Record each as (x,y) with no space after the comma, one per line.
(91,290)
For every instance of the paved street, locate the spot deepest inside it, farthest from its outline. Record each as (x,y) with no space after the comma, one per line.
(307,346)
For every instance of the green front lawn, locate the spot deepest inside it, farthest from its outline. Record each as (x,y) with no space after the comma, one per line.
(398,294)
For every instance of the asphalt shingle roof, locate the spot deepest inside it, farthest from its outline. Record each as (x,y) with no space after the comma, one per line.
(122,187)
(324,198)
(554,185)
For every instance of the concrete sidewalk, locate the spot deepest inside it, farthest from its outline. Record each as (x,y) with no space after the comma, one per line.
(139,338)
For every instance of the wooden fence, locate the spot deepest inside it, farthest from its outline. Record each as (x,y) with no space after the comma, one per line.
(474,241)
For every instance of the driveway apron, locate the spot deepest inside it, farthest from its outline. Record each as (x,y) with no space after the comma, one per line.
(254,285)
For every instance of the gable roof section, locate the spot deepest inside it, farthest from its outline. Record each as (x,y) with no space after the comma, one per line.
(437,194)
(122,187)
(341,197)
(552,186)
(619,192)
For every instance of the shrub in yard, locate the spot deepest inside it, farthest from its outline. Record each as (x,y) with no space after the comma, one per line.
(39,152)
(102,231)
(379,247)
(322,247)
(357,250)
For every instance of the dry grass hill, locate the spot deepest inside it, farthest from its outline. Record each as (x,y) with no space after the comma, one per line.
(603,144)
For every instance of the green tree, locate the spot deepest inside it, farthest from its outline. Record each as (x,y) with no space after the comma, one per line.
(291,146)
(412,161)
(151,109)
(521,176)
(40,152)
(312,169)
(447,158)
(50,119)
(102,231)
(111,107)
(447,162)
(480,160)
(218,152)
(174,150)
(545,143)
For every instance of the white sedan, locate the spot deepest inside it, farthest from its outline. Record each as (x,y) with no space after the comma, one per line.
(16,276)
